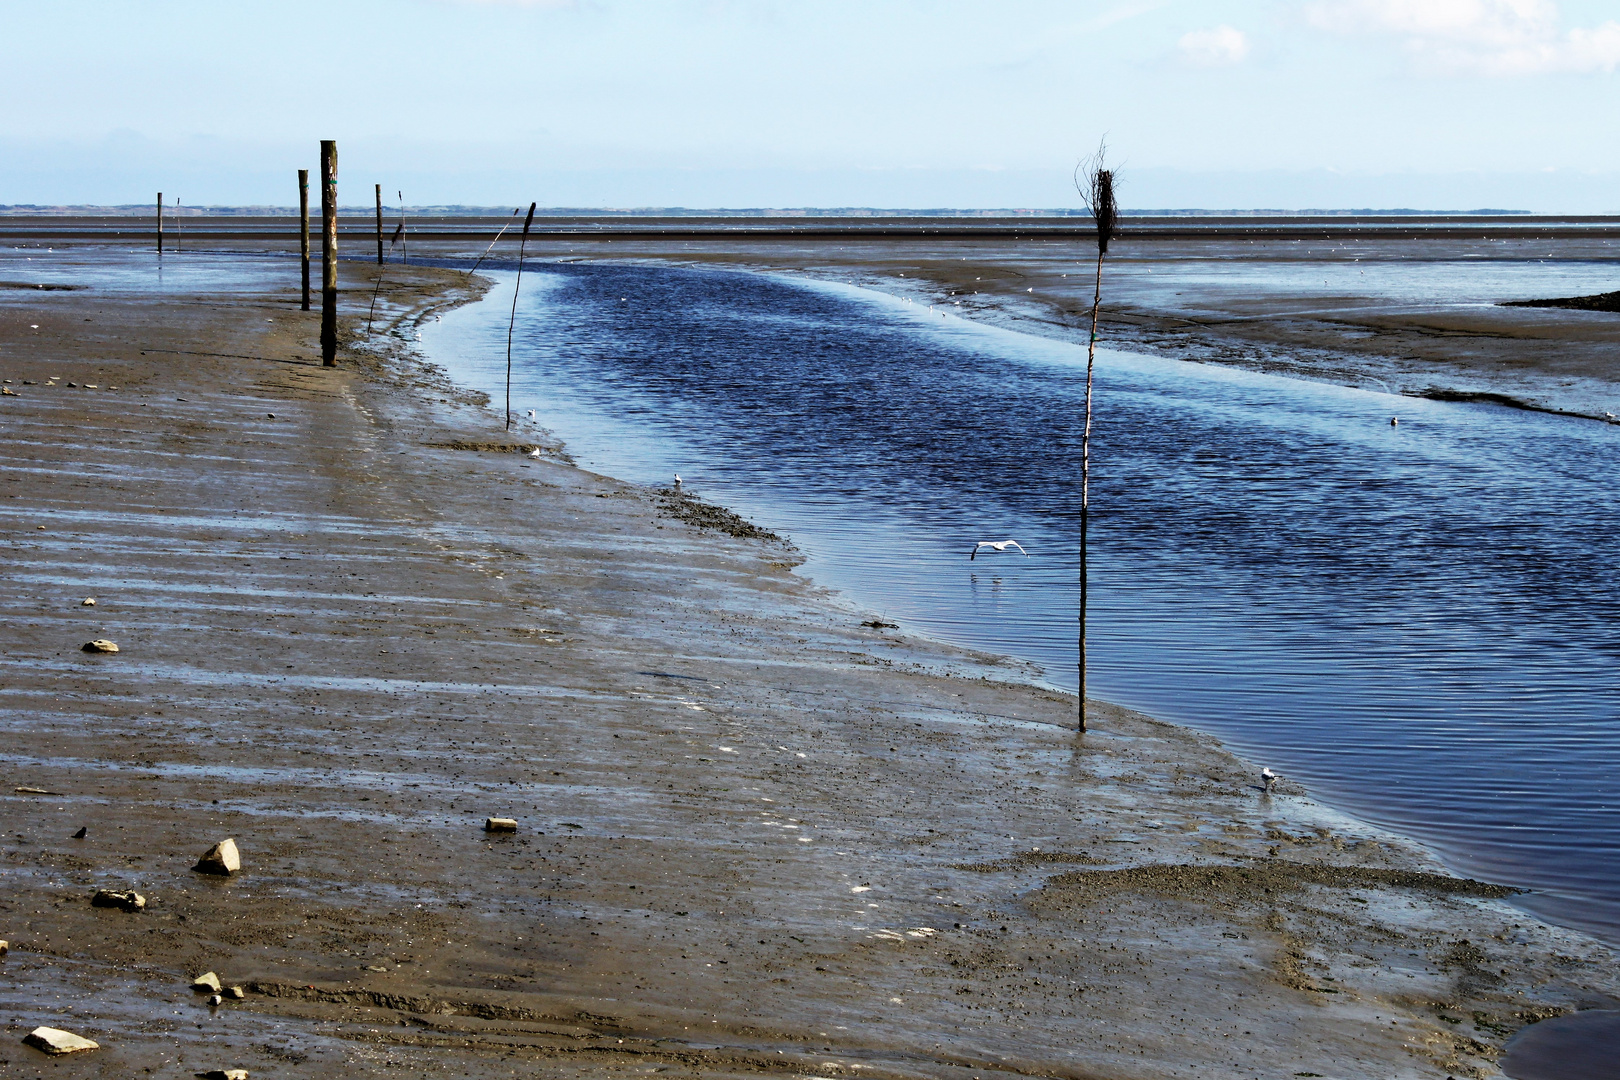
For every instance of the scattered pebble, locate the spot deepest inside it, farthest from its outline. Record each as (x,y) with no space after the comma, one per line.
(215,999)
(56,1041)
(223,1074)
(500,824)
(129,900)
(236,993)
(100,644)
(84,831)
(5,946)
(222,858)
(34,791)
(206,983)
(88,601)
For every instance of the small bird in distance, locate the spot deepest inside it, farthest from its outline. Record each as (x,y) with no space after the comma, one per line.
(995,545)
(1269,778)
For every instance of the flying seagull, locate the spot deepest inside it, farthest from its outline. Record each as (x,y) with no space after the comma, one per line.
(996,545)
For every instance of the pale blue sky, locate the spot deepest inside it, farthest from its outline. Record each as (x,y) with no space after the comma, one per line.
(1449,104)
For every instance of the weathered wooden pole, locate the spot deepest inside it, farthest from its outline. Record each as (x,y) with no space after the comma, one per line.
(329,288)
(160,223)
(303,229)
(1098,191)
(379,226)
(404,253)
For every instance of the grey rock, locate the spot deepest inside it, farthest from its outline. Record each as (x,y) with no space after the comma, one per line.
(127,900)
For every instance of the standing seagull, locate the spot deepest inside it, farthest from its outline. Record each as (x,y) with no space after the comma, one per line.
(995,545)
(1269,778)
(677,481)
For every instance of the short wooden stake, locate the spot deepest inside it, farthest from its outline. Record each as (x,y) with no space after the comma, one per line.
(379,226)
(329,253)
(303,229)
(160,223)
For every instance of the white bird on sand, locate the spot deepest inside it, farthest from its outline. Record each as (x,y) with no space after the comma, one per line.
(533,415)
(535,452)
(995,545)
(1269,778)
(677,481)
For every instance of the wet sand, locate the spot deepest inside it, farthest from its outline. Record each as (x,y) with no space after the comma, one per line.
(754,835)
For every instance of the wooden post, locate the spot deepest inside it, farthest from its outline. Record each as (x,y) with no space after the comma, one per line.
(379,226)
(329,288)
(160,223)
(303,229)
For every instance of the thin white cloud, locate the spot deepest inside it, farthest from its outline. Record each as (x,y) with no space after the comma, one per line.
(1218,46)
(1479,37)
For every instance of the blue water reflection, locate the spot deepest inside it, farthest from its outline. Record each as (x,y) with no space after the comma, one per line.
(1415,620)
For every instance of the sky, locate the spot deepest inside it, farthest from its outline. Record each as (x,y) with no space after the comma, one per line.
(1215,104)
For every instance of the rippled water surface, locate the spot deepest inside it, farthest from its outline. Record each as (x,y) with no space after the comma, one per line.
(1415,621)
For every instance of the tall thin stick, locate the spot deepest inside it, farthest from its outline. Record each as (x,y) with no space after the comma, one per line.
(379,225)
(303,229)
(404,253)
(378,287)
(495,241)
(1096,185)
(518,285)
(160,223)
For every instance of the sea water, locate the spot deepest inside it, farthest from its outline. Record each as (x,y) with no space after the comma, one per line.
(1416,621)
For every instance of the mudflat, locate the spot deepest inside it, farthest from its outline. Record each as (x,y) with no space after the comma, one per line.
(356,618)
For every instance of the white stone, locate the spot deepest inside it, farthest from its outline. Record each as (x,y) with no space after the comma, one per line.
(222,858)
(500,824)
(100,645)
(57,1041)
(207,981)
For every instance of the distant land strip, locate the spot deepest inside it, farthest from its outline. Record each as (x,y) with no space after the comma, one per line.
(203,229)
